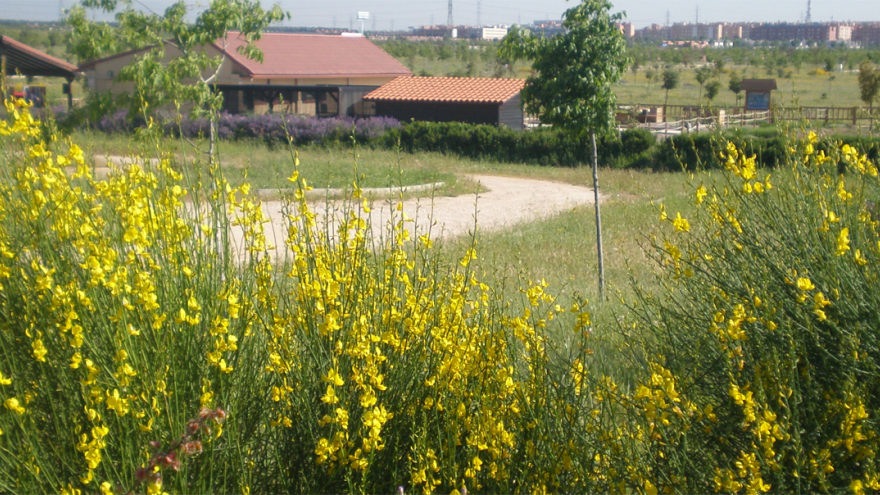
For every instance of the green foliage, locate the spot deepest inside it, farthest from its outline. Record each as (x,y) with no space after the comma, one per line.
(766,330)
(541,147)
(735,84)
(574,71)
(712,90)
(159,81)
(670,79)
(869,83)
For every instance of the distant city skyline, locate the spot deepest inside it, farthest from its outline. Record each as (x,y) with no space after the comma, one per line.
(401,14)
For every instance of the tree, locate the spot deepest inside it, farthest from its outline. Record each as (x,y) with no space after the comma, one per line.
(735,85)
(573,75)
(703,75)
(156,81)
(712,90)
(670,81)
(650,75)
(869,86)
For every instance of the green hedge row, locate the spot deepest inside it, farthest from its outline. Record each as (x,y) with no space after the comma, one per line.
(502,144)
(701,151)
(633,148)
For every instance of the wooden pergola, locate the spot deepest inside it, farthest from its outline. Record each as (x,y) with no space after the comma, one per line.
(16,58)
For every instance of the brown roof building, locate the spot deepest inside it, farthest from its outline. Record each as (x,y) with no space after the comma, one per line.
(21,59)
(321,75)
(451,99)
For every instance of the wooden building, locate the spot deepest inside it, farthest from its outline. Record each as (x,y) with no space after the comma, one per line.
(758,93)
(303,74)
(451,99)
(16,58)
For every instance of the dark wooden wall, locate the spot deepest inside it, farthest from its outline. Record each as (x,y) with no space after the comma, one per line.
(404,111)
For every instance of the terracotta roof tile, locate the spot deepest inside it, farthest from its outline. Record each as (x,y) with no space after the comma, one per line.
(448,89)
(309,55)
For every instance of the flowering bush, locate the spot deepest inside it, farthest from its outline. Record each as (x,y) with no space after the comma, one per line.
(763,352)
(271,128)
(129,315)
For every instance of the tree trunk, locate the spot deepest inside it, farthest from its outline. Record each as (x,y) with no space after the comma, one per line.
(598,218)
(212,151)
(665,102)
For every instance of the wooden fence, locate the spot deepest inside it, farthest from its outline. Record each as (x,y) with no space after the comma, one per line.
(851,115)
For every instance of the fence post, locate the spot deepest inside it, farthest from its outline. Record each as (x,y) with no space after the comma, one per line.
(855,113)
(666,128)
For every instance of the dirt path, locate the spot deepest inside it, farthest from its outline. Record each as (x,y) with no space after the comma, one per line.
(507,202)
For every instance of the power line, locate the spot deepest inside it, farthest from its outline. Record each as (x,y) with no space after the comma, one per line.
(449,16)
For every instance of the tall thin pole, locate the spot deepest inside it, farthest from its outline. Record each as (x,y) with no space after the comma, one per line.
(598,219)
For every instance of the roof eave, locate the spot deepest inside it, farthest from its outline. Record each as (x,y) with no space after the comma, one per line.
(313,76)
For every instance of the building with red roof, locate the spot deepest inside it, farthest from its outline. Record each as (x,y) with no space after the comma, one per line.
(20,59)
(451,99)
(324,75)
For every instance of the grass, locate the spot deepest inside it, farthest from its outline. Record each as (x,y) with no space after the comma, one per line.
(840,89)
(268,167)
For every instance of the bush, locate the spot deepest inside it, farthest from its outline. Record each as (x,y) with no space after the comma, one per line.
(144,350)
(761,356)
(540,146)
(269,128)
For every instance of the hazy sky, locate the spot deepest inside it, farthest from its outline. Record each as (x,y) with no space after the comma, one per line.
(405,13)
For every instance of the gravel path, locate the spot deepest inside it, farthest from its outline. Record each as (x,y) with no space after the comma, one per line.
(507,202)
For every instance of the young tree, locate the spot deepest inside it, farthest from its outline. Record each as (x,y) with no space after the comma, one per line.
(650,75)
(670,81)
(191,76)
(573,75)
(712,89)
(735,85)
(869,86)
(703,75)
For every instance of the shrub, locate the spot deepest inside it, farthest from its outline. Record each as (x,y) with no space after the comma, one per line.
(761,356)
(131,322)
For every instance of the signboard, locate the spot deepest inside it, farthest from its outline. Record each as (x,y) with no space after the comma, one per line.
(757,100)
(363,16)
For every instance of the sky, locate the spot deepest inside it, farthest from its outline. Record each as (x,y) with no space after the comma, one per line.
(401,14)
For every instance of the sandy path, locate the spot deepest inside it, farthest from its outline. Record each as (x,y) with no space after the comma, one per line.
(507,202)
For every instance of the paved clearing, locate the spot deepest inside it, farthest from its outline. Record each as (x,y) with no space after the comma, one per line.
(507,202)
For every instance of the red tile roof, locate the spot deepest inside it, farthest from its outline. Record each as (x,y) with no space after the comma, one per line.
(308,55)
(32,62)
(448,89)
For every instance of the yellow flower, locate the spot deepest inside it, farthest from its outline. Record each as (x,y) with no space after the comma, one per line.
(4,380)
(681,224)
(330,396)
(650,489)
(118,404)
(13,405)
(805,284)
(842,242)
(701,193)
